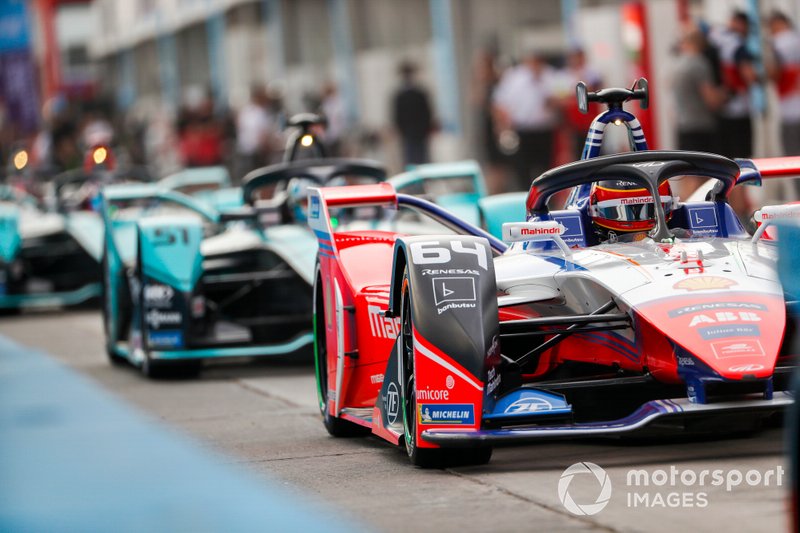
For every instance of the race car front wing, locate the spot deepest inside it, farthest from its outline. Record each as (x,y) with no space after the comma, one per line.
(655,414)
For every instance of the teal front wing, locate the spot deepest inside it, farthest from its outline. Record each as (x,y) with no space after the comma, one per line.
(244,351)
(51,299)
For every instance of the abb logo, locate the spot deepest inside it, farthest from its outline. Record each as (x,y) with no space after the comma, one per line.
(540,231)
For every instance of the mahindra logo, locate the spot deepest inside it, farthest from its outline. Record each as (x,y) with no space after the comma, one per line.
(637,200)
(540,231)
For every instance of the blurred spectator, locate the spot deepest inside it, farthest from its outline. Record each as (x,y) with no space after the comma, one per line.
(486,74)
(696,95)
(254,128)
(200,133)
(577,69)
(697,98)
(412,116)
(524,104)
(786,75)
(333,109)
(738,74)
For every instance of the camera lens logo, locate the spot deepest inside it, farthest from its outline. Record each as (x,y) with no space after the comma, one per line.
(586,509)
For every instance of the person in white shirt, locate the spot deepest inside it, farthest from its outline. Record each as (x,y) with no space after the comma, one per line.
(785,73)
(524,102)
(253,130)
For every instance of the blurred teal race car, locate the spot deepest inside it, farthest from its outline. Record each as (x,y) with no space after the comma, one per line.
(51,235)
(185,281)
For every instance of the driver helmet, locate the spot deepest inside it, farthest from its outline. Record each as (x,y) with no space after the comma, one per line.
(624,207)
(297,197)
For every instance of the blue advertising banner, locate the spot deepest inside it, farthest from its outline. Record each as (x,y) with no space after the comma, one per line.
(14,33)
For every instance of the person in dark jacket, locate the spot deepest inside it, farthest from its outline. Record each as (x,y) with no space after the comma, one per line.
(412,116)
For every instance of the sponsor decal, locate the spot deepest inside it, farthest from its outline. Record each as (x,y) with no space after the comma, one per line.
(724,316)
(774,212)
(540,230)
(493,380)
(198,306)
(376,379)
(703,217)
(746,368)
(738,348)
(313,208)
(166,339)
(704,283)
(156,318)
(529,404)
(685,361)
(157,295)
(456,414)
(649,164)
(721,332)
(432,394)
(553,230)
(449,382)
(448,271)
(714,306)
(453,289)
(430,253)
(391,403)
(380,325)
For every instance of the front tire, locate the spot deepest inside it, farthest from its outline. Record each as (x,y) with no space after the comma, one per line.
(426,457)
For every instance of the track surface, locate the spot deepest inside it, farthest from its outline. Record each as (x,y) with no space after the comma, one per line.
(264,416)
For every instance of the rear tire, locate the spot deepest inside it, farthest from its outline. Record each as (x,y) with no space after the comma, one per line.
(426,457)
(336,426)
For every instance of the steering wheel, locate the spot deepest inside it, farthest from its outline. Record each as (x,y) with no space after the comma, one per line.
(648,169)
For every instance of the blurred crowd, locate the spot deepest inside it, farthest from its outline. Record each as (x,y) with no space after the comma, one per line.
(525,112)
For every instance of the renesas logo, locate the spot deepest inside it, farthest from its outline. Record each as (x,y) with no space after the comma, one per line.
(713,306)
(380,325)
(158,295)
(448,271)
(156,318)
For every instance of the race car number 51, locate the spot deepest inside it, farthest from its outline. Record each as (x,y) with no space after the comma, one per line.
(430,252)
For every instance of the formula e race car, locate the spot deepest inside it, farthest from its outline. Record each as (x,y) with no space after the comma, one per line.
(454,343)
(184,281)
(51,240)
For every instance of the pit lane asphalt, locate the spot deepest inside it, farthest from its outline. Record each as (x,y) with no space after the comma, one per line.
(263,415)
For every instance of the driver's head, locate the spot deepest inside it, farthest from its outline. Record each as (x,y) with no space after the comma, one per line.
(620,207)
(297,197)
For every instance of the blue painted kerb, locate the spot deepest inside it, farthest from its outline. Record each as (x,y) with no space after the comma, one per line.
(75,458)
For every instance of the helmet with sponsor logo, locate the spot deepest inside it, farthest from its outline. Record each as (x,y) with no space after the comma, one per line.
(623,207)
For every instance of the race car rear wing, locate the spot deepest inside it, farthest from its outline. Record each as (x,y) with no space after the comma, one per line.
(754,170)
(381,195)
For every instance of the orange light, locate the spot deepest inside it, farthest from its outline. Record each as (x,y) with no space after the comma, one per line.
(20,159)
(99,155)
(306,140)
